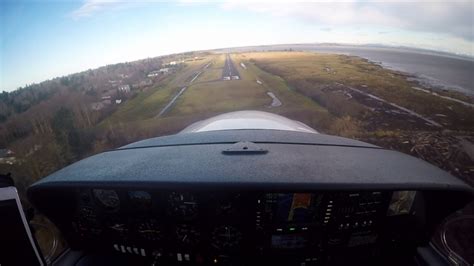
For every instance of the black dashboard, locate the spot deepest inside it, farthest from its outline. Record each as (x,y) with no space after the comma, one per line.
(250,197)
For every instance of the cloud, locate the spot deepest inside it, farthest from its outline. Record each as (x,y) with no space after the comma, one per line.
(454,18)
(91,7)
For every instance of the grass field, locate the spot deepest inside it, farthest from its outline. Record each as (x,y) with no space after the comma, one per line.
(191,67)
(221,96)
(215,97)
(148,104)
(294,104)
(209,95)
(214,71)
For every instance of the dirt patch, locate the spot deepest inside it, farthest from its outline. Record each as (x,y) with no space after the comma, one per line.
(447,150)
(381,114)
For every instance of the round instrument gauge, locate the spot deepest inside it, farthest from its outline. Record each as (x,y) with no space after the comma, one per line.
(187,235)
(107,198)
(182,205)
(149,230)
(226,237)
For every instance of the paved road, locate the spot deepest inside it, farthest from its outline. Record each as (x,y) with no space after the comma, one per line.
(275,101)
(230,71)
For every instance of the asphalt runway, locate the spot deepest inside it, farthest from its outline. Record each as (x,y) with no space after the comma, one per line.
(230,71)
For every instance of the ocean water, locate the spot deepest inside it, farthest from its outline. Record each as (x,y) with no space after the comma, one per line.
(442,71)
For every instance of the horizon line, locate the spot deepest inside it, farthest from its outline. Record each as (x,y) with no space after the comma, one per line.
(437,52)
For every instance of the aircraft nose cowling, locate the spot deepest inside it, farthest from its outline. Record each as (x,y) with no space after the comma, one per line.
(248,120)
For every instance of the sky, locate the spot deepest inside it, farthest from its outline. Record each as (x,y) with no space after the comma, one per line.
(40,40)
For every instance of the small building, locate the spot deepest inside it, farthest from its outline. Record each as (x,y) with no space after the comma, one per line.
(164,70)
(173,63)
(124,88)
(143,83)
(118,101)
(153,74)
(146,82)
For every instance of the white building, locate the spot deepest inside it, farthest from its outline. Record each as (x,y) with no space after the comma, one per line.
(153,74)
(124,88)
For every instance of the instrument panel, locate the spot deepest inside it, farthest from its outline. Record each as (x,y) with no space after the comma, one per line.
(229,227)
(249,197)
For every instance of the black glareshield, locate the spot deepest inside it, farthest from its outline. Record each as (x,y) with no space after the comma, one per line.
(17,245)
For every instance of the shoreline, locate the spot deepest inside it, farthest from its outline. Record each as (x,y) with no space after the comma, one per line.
(427,82)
